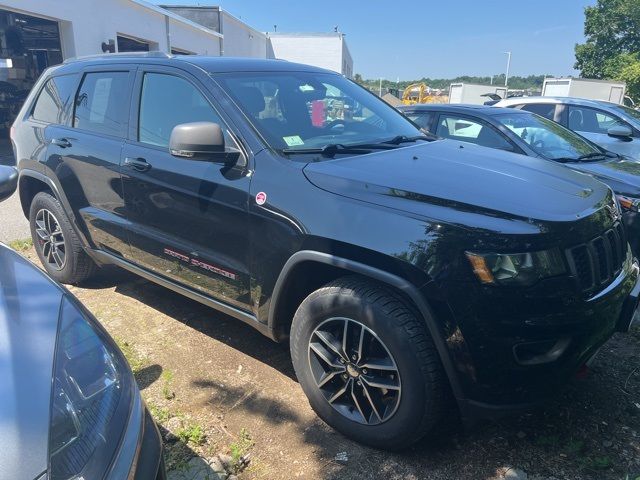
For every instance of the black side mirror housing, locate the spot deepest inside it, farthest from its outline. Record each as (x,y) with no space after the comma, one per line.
(8,181)
(202,141)
(620,131)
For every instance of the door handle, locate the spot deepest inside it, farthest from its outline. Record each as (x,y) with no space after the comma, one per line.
(139,164)
(61,142)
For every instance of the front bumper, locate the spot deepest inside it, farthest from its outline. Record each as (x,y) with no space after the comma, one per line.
(493,372)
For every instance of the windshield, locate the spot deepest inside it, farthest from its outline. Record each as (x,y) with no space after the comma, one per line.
(298,111)
(548,138)
(633,115)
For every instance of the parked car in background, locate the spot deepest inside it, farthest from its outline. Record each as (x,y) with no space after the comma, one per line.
(526,133)
(612,126)
(403,271)
(70,407)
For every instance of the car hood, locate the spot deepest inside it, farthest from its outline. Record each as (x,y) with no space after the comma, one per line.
(463,176)
(622,175)
(29,307)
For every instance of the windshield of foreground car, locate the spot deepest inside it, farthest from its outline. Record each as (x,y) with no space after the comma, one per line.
(305,112)
(550,139)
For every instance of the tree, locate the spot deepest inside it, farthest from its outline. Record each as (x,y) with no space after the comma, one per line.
(631,76)
(358,78)
(612,28)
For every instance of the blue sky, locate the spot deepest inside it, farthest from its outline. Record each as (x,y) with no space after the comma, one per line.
(432,39)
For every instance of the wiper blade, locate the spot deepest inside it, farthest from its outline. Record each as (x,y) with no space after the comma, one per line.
(333,149)
(405,139)
(582,158)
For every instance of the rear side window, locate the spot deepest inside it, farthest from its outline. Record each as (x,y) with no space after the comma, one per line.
(168,101)
(54,99)
(101,104)
(462,128)
(546,110)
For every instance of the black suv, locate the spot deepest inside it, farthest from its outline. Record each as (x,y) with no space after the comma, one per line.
(403,271)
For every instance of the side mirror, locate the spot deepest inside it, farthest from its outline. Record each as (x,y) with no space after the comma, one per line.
(8,181)
(620,131)
(202,141)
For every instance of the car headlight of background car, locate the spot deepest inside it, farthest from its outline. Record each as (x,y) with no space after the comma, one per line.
(517,268)
(92,396)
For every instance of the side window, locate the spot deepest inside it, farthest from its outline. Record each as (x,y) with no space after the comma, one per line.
(54,99)
(590,120)
(422,119)
(460,128)
(546,110)
(100,104)
(167,101)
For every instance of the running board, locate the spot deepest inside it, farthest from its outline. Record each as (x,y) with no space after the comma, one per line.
(107,258)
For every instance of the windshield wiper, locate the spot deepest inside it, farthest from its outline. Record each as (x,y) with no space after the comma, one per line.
(583,158)
(397,140)
(332,149)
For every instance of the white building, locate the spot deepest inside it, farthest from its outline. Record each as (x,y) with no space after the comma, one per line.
(325,50)
(35,34)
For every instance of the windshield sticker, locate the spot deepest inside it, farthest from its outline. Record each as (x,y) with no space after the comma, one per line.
(293,140)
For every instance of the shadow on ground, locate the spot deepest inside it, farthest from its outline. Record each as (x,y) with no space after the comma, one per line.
(591,431)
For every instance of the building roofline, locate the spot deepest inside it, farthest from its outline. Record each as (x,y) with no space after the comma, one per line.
(305,34)
(176,17)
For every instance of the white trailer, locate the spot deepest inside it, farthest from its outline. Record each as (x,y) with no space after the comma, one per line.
(606,90)
(472,93)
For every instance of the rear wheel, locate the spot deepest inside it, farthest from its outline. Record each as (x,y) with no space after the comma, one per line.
(56,243)
(367,364)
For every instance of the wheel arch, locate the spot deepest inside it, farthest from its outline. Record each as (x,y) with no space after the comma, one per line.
(327,267)
(30,184)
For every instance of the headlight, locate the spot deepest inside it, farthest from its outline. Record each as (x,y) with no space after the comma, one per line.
(517,268)
(91,398)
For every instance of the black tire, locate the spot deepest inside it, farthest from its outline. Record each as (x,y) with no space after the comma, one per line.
(77,265)
(422,383)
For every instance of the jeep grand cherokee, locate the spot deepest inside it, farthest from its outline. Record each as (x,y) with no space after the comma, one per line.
(403,271)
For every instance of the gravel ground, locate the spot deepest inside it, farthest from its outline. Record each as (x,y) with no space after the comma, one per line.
(220,390)
(13,224)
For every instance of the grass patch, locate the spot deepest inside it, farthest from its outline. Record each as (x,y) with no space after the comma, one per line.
(240,448)
(21,245)
(136,362)
(161,414)
(191,433)
(167,380)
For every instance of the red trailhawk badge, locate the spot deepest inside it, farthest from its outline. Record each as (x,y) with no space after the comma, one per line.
(261,198)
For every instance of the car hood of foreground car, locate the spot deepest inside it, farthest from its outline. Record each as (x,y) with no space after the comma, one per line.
(469,177)
(622,175)
(29,307)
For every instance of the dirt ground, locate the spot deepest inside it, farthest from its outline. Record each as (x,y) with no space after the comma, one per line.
(221,387)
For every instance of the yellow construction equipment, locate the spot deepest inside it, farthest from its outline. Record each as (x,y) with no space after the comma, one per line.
(420,93)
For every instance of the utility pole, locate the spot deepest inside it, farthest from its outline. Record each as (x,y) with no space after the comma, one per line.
(506,78)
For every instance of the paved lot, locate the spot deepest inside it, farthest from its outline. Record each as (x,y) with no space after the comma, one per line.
(13,225)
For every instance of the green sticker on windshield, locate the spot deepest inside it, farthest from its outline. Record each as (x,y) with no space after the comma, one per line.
(293,140)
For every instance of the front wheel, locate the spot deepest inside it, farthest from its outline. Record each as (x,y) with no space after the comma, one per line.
(367,364)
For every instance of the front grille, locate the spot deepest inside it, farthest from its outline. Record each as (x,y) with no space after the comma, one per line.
(596,263)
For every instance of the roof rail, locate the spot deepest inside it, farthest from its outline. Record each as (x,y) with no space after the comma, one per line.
(152,54)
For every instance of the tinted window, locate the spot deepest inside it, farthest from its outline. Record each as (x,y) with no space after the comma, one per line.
(310,110)
(546,110)
(461,128)
(168,101)
(422,119)
(590,120)
(54,99)
(101,103)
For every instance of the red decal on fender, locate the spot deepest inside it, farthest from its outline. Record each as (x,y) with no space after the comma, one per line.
(261,198)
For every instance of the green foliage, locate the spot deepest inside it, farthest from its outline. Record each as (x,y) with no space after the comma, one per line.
(167,390)
(21,245)
(631,76)
(612,31)
(191,433)
(136,362)
(240,448)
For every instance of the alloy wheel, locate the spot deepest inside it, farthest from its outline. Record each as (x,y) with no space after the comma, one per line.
(354,370)
(50,239)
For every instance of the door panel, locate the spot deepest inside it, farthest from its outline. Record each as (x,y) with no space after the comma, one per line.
(85,157)
(188,218)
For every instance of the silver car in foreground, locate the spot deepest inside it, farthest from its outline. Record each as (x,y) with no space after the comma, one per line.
(69,405)
(614,127)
